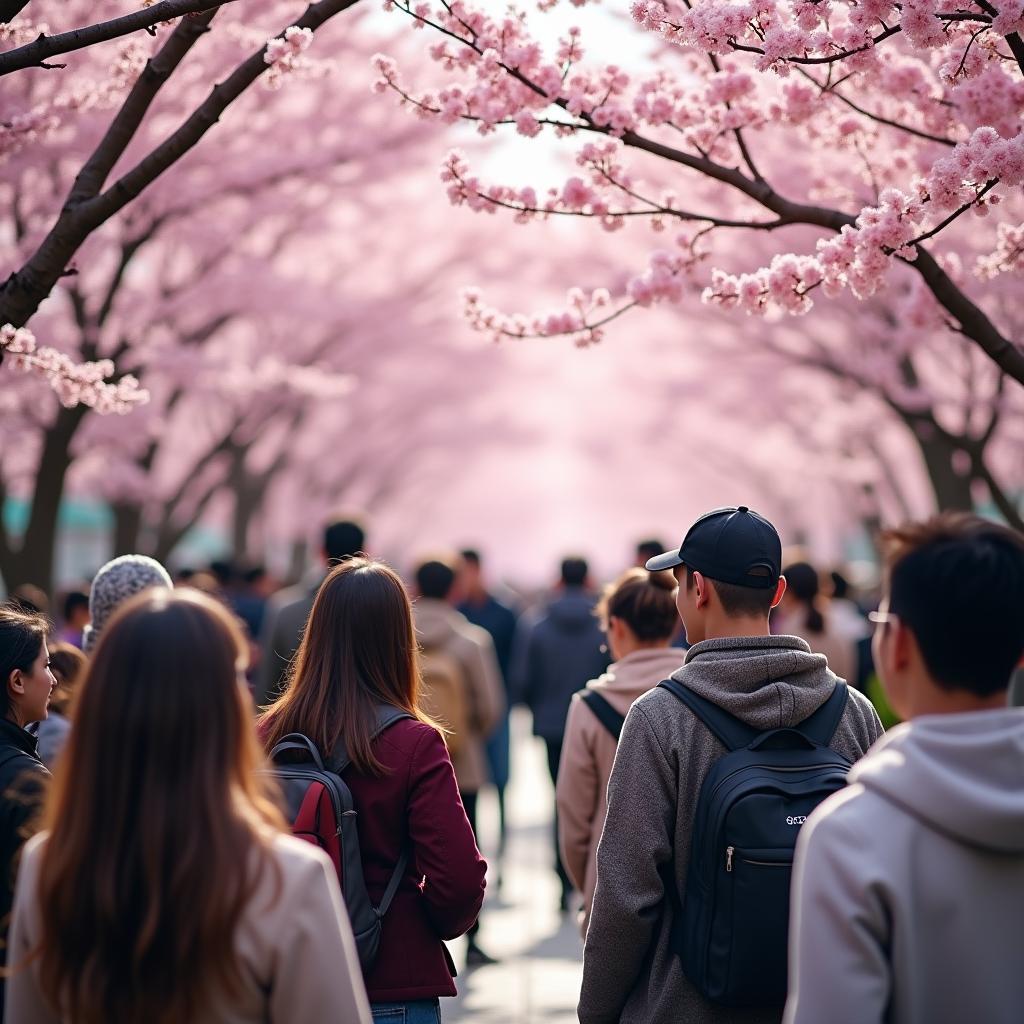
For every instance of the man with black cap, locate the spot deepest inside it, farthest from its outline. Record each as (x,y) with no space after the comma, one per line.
(729,573)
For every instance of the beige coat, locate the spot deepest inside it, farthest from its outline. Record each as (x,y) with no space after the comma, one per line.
(587,755)
(439,625)
(298,957)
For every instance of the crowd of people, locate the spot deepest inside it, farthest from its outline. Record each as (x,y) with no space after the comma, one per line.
(263,806)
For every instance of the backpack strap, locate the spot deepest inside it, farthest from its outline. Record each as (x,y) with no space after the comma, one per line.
(604,712)
(820,726)
(731,732)
(387,715)
(394,881)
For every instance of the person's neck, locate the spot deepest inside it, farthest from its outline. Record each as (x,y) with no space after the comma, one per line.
(641,645)
(13,717)
(927,698)
(722,627)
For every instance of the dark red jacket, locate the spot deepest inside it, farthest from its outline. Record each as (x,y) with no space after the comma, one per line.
(440,897)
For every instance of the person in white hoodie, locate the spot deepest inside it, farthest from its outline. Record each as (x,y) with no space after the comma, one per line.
(908,886)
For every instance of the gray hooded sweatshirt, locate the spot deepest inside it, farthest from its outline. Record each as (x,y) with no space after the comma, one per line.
(630,972)
(908,888)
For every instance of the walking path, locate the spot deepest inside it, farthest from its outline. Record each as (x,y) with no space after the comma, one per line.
(537,978)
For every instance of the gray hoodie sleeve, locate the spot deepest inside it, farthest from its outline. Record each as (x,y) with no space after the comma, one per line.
(635,846)
(839,969)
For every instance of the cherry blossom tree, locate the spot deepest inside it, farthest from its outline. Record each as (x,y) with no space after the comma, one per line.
(875,127)
(182,122)
(167,289)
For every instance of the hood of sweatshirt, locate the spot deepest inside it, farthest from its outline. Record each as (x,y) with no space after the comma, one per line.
(636,673)
(959,774)
(436,621)
(769,682)
(573,612)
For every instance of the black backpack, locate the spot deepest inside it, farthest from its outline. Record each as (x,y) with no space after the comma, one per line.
(604,712)
(732,935)
(321,810)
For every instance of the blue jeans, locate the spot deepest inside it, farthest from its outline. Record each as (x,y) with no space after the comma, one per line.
(423,1011)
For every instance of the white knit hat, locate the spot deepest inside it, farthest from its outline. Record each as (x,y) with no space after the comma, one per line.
(117,581)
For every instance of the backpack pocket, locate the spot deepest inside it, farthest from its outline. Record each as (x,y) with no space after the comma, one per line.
(759,881)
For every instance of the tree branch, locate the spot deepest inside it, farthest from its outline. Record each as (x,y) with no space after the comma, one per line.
(25,289)
(10,9)
(43,46)
(91,178)
(833,90)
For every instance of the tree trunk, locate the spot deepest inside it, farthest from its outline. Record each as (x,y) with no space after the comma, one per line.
(247,502)
(33,561)
(952,488)
(127,528)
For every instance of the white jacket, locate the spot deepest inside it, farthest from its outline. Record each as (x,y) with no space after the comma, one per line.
(293,941)
(908,886)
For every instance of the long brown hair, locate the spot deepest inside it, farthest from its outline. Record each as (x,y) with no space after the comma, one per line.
(359,651)
(159,823)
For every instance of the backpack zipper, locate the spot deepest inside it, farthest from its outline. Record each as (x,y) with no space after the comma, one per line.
(730,854)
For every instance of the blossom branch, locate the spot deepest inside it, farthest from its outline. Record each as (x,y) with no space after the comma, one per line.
(35,54)
(87,383)
(833,90)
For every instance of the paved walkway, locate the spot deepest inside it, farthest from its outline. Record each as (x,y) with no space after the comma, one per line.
(537,980)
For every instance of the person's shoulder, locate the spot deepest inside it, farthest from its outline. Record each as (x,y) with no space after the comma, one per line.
(862,717)
(31,857)
(299,860)
(854,824)
(410,736)
(15,763)
(657,702)
(410,728)
(475,634)
(859,702)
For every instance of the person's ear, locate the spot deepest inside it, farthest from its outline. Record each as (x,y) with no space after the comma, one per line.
(904,646)
(703,589)
(16,682)
(780,590)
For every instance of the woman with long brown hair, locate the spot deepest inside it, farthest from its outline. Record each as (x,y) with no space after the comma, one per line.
(359,654)
(164,888)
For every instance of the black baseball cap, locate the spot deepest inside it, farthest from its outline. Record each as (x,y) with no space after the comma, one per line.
(732,545)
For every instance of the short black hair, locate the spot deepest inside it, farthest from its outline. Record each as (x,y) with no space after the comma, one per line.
(343,538)
(739,601)
(253,574)
(470,555)
(957,582)
(435,579)
(574,571)
(649,548)
(73,600)
(224,570)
